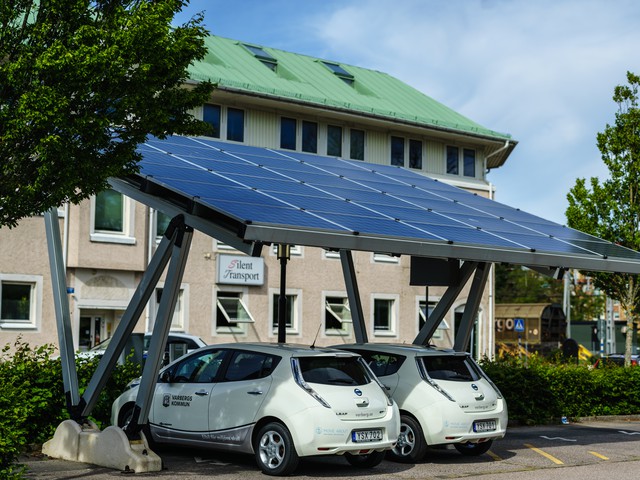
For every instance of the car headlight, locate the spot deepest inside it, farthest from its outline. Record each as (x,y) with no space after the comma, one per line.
(297,375)
(132,384)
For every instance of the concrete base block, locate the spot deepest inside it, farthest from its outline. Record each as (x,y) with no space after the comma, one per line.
(109,448)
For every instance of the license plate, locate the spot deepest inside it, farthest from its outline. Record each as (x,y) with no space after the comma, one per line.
(485,426)
(366,435)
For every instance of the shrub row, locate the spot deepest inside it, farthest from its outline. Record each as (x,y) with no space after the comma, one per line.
(32,399)
(541,391)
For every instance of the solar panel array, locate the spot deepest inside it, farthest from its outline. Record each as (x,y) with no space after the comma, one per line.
(286,188)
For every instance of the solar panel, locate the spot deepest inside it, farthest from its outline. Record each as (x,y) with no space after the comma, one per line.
(299,198)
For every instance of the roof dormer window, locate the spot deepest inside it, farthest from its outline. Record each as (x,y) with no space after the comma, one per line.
(340,72)
(263,56)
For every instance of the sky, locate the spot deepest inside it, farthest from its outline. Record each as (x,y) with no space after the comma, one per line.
(542,71)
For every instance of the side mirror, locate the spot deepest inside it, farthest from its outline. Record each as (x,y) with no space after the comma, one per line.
(165,377)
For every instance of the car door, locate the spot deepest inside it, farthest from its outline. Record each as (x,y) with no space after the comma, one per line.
(237,398)
(181,401)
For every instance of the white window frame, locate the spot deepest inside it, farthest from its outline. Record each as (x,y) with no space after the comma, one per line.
(296,327)
(241,326)
(326,308)
(393,326)
(460,174)
(35,302)
(155,213)
(384,258)
(179,322)
(331,254)
(128,222)
(294,250)
(444,325)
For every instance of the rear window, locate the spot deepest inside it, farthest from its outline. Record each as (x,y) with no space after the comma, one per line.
(333,370)
(449,367)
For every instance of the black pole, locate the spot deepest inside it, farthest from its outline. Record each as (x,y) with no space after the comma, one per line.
(283,256)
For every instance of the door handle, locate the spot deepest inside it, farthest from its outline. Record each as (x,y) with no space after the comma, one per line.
(255,392)
(202,393)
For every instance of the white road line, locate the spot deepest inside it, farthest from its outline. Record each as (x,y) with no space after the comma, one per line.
(559,438)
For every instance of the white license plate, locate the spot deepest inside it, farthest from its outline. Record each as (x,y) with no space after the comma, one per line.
(485,426)
(366,435)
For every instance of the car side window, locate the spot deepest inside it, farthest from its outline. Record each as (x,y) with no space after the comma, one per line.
(382,364)
(201,368)
(250,366)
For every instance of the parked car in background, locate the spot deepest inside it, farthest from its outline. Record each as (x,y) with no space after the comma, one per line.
(617,359)
(178,344)
(444,397)
(279,402)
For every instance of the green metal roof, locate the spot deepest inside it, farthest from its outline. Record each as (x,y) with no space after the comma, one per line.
(307,80)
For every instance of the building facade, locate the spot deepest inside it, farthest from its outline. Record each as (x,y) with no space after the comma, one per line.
(275,99)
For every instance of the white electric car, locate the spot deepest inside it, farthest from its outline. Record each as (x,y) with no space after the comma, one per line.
(444,397)
(280,402)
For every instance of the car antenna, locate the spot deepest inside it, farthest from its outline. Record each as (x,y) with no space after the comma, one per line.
(313,345)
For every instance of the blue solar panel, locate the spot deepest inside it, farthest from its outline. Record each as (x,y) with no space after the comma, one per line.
(269,187)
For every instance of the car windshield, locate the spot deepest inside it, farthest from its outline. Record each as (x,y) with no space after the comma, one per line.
(449,367)
(334,370)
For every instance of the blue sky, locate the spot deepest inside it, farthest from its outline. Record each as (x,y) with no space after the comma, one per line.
(543,71)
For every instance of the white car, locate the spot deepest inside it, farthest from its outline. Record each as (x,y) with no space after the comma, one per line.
(280,402)
(444,397)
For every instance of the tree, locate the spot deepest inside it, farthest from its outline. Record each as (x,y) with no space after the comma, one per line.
(611,209)
(82,84)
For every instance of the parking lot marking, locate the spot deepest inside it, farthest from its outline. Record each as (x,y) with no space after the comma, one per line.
(559,438)
(629,433)
(544,454)
(596,454)
(496,457)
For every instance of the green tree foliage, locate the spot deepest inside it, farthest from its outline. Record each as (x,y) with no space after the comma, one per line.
(610,209)
(82,83)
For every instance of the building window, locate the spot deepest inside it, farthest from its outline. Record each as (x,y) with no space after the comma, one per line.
(397,151)
(177,321)
(293,250)
(20,301)
(231,313)
(111,218)
(422,319)
(291,313)
(309,137)
(357,144)
(337,316)
(288,133)
(334,141)
(266,59)
(384,258)
(415,154)
(212,115)
(109,212)
(340,72)
(457,163)
(162,221)
(469,163)
(235,125)
(384,316)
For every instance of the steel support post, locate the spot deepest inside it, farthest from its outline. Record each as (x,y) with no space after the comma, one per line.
(63,316)
(160,331)
(463,335)
(131,316)
(444,304)
(353,294)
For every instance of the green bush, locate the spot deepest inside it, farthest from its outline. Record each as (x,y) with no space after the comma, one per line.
(541,391)
(32,399)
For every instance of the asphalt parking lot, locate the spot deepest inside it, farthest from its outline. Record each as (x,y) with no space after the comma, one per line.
(589,449)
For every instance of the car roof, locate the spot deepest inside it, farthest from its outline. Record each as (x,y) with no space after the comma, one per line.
(401,348)
(291,349)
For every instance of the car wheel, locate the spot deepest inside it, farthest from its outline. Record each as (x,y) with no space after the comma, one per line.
(473,449)
(368,460)
(274,450)
(411,446)
(125,417)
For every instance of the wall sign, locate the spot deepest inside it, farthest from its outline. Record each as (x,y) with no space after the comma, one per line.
(240,270)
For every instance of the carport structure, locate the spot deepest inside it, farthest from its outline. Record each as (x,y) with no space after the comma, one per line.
(249,197)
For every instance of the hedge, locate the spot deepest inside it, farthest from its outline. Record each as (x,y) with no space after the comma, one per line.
(32,400)
(541,391)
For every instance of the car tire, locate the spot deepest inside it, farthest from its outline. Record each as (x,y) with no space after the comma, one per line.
(125,417)
(274,450)
(473,449)
(368,460)
(411,446)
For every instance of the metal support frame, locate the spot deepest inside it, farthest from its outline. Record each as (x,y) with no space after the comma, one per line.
(284,253)
(160,332)
(63,315)
(443,306)
(131,315)
(350,280)
(463,335)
